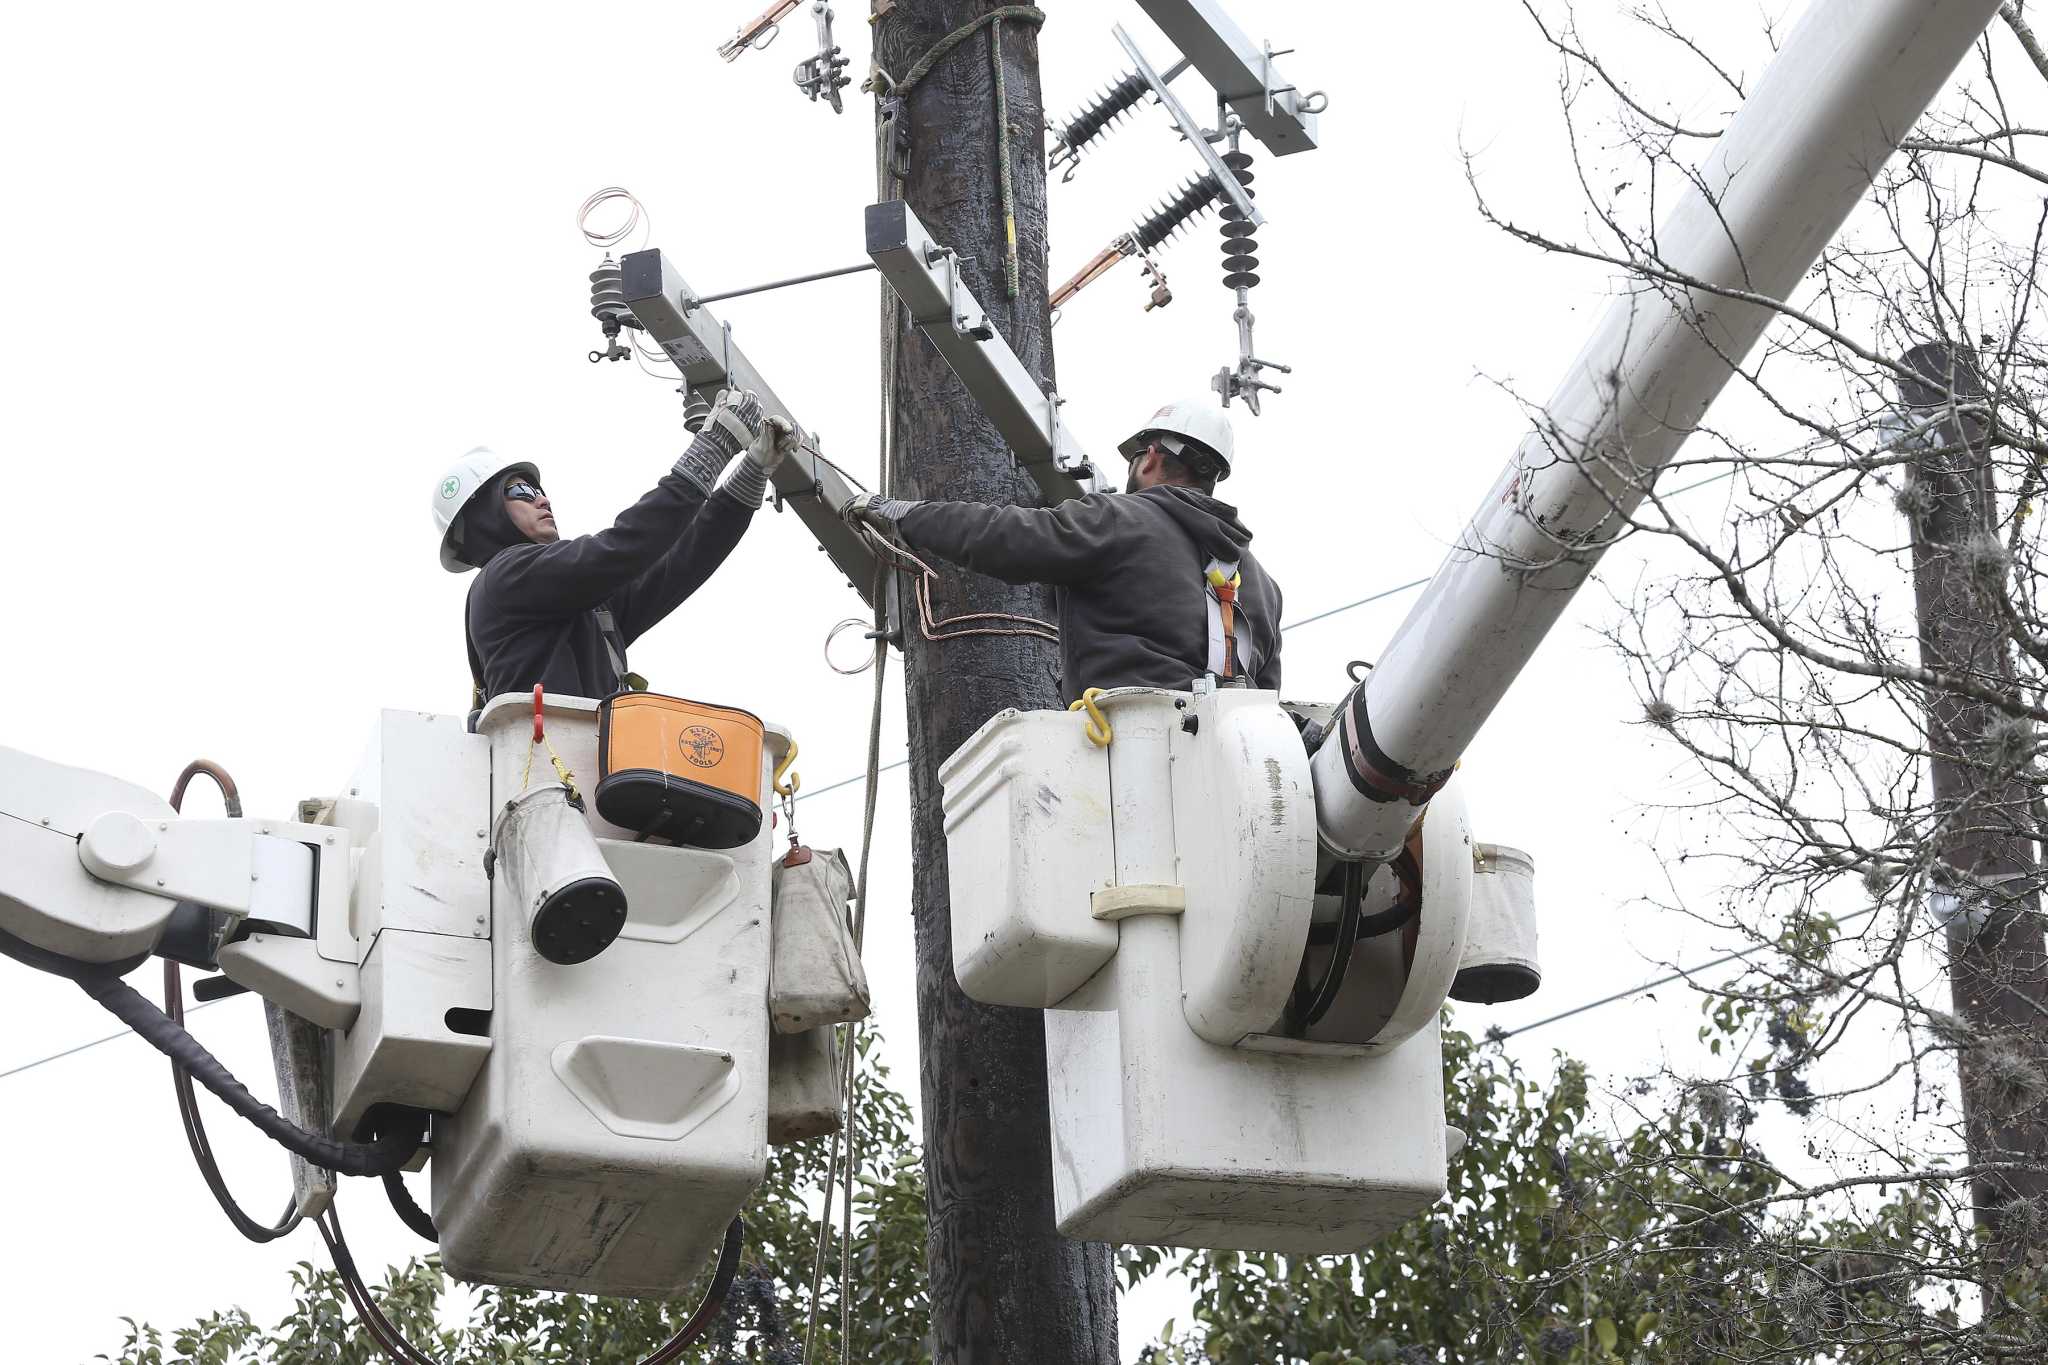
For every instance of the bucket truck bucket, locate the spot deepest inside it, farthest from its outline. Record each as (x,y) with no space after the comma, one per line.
(1155,895)
(620,1119)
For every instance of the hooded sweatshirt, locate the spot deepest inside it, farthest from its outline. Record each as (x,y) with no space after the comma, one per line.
(534,610)
(1129,570)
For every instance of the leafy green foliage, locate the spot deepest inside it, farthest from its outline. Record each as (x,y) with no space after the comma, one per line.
(765,1317)
(1560,1243)
(1557,1242)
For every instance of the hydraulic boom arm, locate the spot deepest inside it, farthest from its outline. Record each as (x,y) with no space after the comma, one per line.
(1831,109)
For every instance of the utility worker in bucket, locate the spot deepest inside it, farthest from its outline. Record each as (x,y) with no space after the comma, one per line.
(1157,586)
(560,613)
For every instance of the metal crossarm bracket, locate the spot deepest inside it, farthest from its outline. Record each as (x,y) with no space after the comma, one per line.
(926,276)
(1242,72)
(702,348)
(1192,132)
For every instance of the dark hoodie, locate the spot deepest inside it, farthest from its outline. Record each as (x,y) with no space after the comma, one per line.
(1133,602)
(533,610)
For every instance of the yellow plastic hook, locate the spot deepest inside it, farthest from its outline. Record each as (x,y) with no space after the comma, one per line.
(1099,731)
(795,782)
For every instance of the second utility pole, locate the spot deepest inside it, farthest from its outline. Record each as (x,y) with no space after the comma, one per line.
(1983,798)
(1006,1288)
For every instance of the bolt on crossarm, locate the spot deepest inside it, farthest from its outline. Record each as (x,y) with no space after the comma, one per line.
(1848,84)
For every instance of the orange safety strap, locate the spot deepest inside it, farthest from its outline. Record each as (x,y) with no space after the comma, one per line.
(1224,581)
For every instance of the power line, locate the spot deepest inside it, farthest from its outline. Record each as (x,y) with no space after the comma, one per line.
(74,1051)
(1665,980)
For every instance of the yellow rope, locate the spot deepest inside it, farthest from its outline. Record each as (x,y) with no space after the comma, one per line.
(1099,731)
(567,778)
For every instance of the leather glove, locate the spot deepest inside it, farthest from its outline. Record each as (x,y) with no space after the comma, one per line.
(772,443)
(875,511)
(734,421)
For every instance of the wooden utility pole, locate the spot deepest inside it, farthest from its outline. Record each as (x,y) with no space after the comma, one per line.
(1006,1288)
(1981,753)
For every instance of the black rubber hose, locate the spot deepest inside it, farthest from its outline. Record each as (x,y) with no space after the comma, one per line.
(202,1147)
(181,1079)
(714,1300)
(408,1209)
(1388,920)
(1309,1008)
(56,964)
(399,1351)
(391,1150)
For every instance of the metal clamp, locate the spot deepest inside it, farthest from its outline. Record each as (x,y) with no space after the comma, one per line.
(1192,131)
(823,74)
(958,317)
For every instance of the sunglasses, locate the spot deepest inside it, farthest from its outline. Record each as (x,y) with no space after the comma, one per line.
(523,492)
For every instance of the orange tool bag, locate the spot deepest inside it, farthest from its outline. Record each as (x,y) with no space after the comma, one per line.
(680,770)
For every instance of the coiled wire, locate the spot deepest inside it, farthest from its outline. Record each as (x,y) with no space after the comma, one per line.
(637,218)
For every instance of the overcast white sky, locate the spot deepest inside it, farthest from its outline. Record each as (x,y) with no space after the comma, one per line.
(268,268)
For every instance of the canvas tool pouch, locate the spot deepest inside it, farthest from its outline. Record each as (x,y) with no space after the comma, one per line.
(814,972)
(803,1086)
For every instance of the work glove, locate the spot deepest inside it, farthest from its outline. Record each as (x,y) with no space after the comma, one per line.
(734,421)
(875,511)
(772,443)
(746,478)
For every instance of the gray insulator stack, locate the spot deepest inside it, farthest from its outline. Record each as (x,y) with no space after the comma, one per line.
(1170,217)
(696,411)
(608,298)
(1240,261)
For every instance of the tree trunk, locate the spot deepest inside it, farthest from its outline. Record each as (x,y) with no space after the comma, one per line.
(1997,973)
(1006,1288)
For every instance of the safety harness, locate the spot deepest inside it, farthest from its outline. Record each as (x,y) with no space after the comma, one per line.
(607,631)
(1223,582)
(615,650)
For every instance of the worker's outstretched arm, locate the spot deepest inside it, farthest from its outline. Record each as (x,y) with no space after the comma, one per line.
(1072,543)
(573,575)
(713,535)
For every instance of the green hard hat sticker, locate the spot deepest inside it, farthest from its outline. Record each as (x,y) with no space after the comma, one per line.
(448,486)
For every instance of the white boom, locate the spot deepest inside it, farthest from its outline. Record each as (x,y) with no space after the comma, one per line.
(1831,109)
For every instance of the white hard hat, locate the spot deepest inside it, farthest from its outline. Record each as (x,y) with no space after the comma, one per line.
(479,469)
(1191,419)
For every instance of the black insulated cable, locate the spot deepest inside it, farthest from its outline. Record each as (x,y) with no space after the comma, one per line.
(399,1351)
(202,1147)
(181,1079)
(408,1209)
(1308,1007)
(390,1151)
